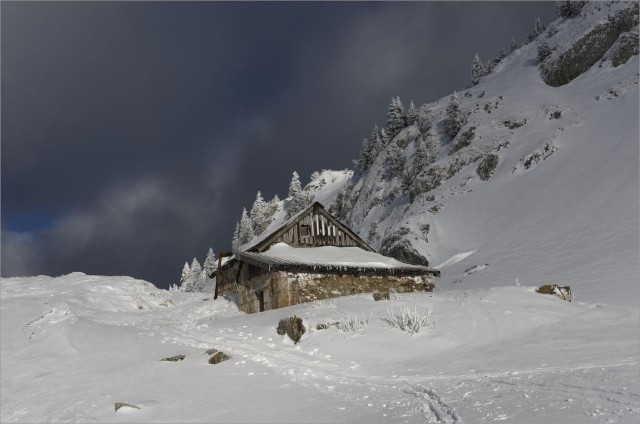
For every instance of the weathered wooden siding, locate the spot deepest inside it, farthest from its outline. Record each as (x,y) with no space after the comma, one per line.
(316,230)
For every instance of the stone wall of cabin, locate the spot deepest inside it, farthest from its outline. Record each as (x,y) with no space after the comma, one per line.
(280,289)
(227,278)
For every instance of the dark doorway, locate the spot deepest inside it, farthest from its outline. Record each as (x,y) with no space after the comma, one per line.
(261,300)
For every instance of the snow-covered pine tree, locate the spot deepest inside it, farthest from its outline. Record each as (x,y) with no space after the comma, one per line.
(294,186)
(514,46)
(195,279)
(569,9)
(425,121)
(396,162)
(395,117)
(538,27)
(186,275)
(455,118)
(298,198)
(257,214)
(364,158)
(490,64)
(245,230)
(384,136)
(377,142)
(412,114)
(425,153)
(502,54)
(235,243)
(209,265)
(543,50)
(478,70)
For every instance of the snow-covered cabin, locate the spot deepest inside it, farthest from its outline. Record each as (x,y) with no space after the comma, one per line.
(313,256)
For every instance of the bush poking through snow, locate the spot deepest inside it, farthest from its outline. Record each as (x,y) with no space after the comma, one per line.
(353,323)
(384,295)
(409,320)
(174,358)
(561,292)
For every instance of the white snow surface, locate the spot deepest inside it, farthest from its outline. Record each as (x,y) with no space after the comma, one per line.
(73,346)
(332,256)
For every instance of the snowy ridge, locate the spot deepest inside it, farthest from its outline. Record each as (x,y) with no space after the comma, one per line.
(540,184)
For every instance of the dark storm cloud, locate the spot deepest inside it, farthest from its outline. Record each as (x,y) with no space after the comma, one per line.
(134,133)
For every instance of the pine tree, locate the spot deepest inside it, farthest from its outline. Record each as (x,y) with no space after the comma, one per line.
(186,274)
(544,51)
(294,186)
(425,121)
(426,153)
(384,136)
(569,9)
(538,28)
(396,161)
(377,141)
(478,70)
(364,159)
(422,155)
(395,117)
(235,243)
(298,198)
(455,118)
(245,230)
(502,54)
(258,211)
(514,45)
(209,265)
(412,114)
(195,277)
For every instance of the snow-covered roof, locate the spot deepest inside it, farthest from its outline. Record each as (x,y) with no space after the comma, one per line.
(323,258)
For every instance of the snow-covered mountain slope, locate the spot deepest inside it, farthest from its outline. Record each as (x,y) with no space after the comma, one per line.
(540,185)
(72,347)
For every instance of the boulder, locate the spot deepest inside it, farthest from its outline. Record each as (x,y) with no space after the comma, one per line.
(487,167)
(119,405)
(292,327)
(218,357)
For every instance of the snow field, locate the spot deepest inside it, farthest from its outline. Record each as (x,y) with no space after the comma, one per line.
(495,354)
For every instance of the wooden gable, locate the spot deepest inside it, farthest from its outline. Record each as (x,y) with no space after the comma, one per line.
(312,228)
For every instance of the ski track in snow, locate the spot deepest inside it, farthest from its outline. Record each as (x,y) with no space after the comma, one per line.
(451,394)
(424,398)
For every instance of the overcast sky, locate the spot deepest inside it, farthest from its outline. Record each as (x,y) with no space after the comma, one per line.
(133,134)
